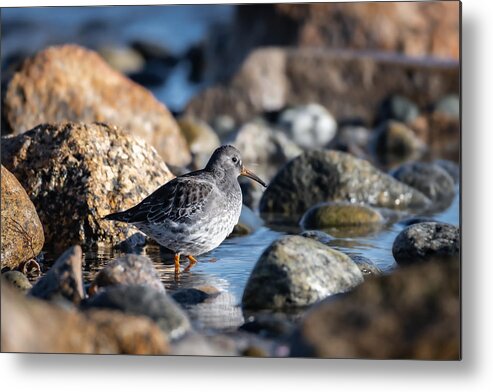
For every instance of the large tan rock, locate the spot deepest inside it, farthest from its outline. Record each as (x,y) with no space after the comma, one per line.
(70,83)
(77,173)
(22,233)
(31,325)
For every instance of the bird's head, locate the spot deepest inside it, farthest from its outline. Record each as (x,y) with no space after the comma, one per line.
(228,159)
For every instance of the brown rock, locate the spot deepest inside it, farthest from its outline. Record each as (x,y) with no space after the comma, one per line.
(128,270)
(70,83)
(63,280)
(427,29)
(349,84)
(77,173)
(412,314)
(31,325)
(22,233)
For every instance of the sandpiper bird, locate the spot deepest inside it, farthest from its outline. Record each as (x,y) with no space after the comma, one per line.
(192,214)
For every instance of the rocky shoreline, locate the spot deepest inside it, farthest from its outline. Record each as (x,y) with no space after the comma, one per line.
(350,143)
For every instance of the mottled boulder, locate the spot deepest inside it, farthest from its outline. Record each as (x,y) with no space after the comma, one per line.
(430,179)
(63,280)
(128,270)
(17,279)
(296,271)
(332,176)
(410,314)
(349,84)
(340,214)
(31,325)
(77,173)
(143,301)
(452,168)
(22,233)
(427,241)
(70,83)
(393,142)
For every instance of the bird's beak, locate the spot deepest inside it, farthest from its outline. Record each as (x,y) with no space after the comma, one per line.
(247,173)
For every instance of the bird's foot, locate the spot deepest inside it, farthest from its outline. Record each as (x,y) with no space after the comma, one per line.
(193,261)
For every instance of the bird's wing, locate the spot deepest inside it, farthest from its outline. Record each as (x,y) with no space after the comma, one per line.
(178,200)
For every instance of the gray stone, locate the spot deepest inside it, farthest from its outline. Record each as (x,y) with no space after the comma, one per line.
(449,105)
(340,214)
(426,241)
(318,235)
(430,179)
(144,301)
(400,108)
(295,271)
(63,280)
(128,270)
(323,176)
(450,167)
(309,126)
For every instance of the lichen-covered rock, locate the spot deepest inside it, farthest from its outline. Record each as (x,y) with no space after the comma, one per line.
(393,143)
(332,176)
(17,279)
(63,280)
(77,173)
(22,232)
(340,214)
(70,83)
(427,241)
(430,179)
(143,301)
(31,325)
(296,271)
(128,270)
(409,314)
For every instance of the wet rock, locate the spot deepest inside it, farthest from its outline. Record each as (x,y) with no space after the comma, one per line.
(340,214)
(399,108)
(349,84)
(449,106)
(77,173)
(128,270)
(201,139)
(295,271)
(248,223)
(195,295)
(366,266)
(264,149)
(124,60)
(410,314)
(317,235)
(331,176)
(17,279)
(426,241)
(394,143)
(31,325)
(63,280)
(452,168)
(22,233)
(143,301)
(309,126)
(70,83)
(431,180)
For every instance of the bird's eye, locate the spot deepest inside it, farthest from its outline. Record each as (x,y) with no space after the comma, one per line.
(235,159)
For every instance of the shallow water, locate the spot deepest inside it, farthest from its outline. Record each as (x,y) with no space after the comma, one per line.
(228,267)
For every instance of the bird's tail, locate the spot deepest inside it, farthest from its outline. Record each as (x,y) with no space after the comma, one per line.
(117,216)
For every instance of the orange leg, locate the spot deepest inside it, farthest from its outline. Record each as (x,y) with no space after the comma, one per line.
(193,261)
(177,264)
